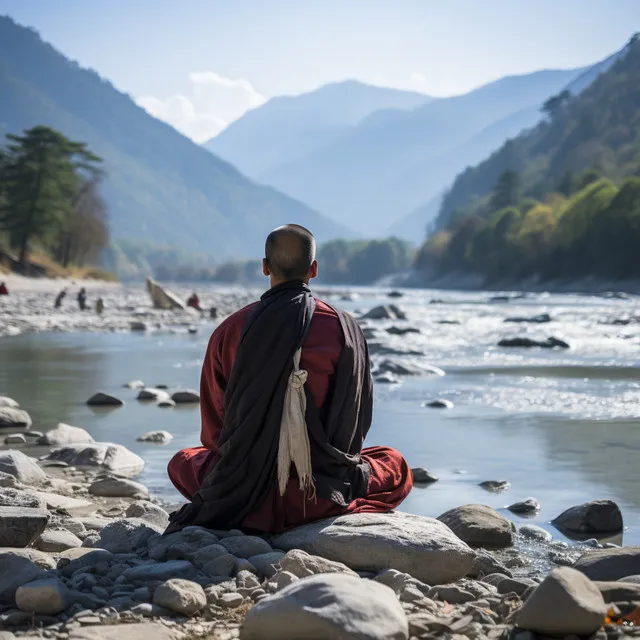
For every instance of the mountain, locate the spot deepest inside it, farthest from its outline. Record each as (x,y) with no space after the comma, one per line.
(160,187)
(392,162)
(290,127)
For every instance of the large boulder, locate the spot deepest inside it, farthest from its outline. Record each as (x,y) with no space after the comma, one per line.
(479,526)
(610,564)
(65,434)
(12,418)
(101,399)
(423,547)
(16,570)
(598,516)
(328,606)
(22,467)
(110,457)
(126,536)
(20,526)
(566,603)
(47,596)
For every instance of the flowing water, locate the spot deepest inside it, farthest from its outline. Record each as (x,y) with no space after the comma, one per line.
(562,426)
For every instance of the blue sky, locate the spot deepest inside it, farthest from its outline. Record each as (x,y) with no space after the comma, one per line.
(202,63)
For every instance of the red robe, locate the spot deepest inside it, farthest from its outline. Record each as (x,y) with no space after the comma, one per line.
(390,480)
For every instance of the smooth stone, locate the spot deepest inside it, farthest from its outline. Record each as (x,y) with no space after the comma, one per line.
(451,594)
(12,418)
(134,384)
(57,540)
(23,468)
(405,369)
(56,501)
(565,603)
(534,532)
(115,487)
(539,319)
(148,511)
(149,610)
(182,544)
(423,476)
(74,560)
(65,434)
(283,579)
(137,325)
(387,378)
(610,564)
(16,570)
(166,404)
(101,399)
(160,571)
(43,596)
(401,331)
(110,457)
(384,312)
(302,564)
(126,536)
(515,585)
(619,591)
(549,343)
(328,606)
(524,507)
(495,486)
(93,523)
(598,516)
(15,438)
(243,564)
(439,404)
(160,437)
(182,596)
(20,526)
(153,394)
(10,403)
(42,559)
(245,546)
(224,565)
(266,563)
(140,631)
(230,600)
(247,580)
(207,554)
(485,563)
(185,396)
(479,526)
(423,547)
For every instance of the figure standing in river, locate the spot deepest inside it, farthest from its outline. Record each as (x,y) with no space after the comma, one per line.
(82,299)
(59,298)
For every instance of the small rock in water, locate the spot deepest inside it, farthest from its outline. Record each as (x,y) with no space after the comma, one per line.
(134,384)
(524,507)
(181,596)
(5,401)
(533,532)
(495,486)
(423,476)
(549,343)
(400,331)
(439,404)
(162,386)
(192,330)
(166,403)
(101,399)
(158,395)
(161,437)
(539,319)
(115,487)
(395,294)
(186,396)
(385,312)
(12,418)
(15,438)
(387,378)
(65,434)
(598,516)
(137,325)
(47,596)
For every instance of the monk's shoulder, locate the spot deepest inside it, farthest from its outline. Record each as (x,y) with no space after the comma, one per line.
(323,309)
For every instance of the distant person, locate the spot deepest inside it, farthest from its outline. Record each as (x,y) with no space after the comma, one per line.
(194,302)
(99,306)
(3,289)
(59,298)
(213,313)
(82,299)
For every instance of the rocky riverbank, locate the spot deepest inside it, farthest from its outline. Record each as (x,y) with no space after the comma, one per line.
(82,556)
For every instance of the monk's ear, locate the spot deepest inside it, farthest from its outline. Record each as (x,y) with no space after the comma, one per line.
(265,267)
(313,270)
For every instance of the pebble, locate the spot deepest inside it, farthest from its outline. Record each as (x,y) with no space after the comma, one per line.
(230,600)
(423,476)
(530,505)
(182,596)
(57,540)
(148,511)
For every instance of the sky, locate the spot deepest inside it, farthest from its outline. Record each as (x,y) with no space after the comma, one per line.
(201,64)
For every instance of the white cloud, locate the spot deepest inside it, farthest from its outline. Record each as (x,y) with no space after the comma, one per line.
(212,104)
(419,82)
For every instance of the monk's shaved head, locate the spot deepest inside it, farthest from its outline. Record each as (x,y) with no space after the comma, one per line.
(290,251)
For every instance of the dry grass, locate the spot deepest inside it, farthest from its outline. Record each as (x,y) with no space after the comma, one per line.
(54,270)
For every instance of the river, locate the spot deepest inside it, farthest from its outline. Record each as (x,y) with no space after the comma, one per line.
(562,426)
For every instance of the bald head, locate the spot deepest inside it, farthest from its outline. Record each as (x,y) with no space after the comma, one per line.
(290,253)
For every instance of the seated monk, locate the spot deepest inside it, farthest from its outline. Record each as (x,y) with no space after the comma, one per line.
(286,403)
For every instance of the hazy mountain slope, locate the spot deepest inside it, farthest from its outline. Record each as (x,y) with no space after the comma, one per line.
(366,178)
(289,127)
(160,186)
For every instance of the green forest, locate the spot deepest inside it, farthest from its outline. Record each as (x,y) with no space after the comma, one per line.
(560,201)
(50,208)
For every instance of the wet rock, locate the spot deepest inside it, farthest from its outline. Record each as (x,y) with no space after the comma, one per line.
(495,486)
(395,294)
(148,511)
(137,325)
(15,438)
(126,536)
(610,564)
(57,540)
(565,603)
(101,399)
(20,526)
(166,404)
(10,403)
(134,384)
(525,507)
(439,404)
(479,526)
(153,394)
(65,434)
(385,312)
(423,547)
(182,596)
(245,546)
(328,606)
(266,563)
(549,343)
(186,396)
(401,331)
(539,319)
(598,516)
(21,467)
(115,487)
(160,437)
(16,570)
(44,596)
(423,476)
(532,532)
(110,457)
(302,564)
(12,418)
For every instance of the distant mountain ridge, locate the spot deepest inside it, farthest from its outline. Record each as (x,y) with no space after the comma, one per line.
(160,186)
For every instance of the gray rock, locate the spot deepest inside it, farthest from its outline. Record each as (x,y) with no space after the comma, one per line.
(247,580)
(486,564)
(57,540)
(401,331)
(385,312)
(207,554)
(182,544)
(10,497)
(6,402)
(525,507)
(565,603)
(7,480)
(44,596)
(423,476)
(245,546)
(141,631)
(22,467)
(16,570)
(266,563)
(12,418)
(539,319)
(148,511)
(42,559)
(15,438)
(230,600)
(243,564)
(186,396)
(610,564)
(328,606)
(533,532)
(111,457)
(404,368)
(167,403)
(479,526)
(101,399)
(598,516)
(515,585)
(423,547)
(82,559)
(65,434)
(619,591)
(302,564)
(153,394)
(451,594)
(134,384)
(20,526)
(224,565)
(182,596)
(387,378)
(159,437)
(149,610)
(115,487)
(549,343)
(283,579)
(495,486)
(439,404)
(160,571)
(126,536)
